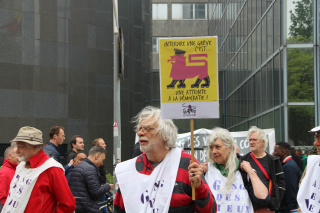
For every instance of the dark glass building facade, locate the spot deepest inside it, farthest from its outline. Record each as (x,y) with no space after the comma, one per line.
(56,68)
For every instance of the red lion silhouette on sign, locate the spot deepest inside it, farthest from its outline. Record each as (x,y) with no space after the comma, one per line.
(180,71)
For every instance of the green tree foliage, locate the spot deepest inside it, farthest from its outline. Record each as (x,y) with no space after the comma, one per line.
(302,20)
(300,75)
(300,61)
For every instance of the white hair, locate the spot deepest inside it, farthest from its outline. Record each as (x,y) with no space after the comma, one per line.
(166,129)
(261,134)
(231,165)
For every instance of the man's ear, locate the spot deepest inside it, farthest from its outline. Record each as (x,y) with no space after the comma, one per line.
(96,157)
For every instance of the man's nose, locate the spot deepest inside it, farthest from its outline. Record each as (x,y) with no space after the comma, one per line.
(140,132)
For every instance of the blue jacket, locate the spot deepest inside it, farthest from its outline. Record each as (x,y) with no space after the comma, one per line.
(51,148)
(292,177)
(86,188)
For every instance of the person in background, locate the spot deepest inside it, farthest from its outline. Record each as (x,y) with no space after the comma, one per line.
(160,179)
(292,176)
(57,137)
(11,161)
(77,158)
(269,170)
(76,145)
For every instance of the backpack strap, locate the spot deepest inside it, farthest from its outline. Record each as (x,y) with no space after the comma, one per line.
(264,172)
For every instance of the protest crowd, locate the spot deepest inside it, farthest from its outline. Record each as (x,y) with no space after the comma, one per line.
(160,177)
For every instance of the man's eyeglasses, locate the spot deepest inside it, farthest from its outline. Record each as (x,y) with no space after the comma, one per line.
(145,129)
(316,137)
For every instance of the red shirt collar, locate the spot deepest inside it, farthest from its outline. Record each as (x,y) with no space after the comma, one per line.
(9,164)
(38,159)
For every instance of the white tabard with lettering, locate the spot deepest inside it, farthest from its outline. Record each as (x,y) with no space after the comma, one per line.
(309,192)
(22,185)
(236,200)
(148,193)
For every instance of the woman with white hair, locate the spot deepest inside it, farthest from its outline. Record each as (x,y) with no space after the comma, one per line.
(223,176)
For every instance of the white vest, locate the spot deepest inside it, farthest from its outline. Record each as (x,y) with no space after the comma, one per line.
(22,185)
(148,193)
(237,199)
(309,192)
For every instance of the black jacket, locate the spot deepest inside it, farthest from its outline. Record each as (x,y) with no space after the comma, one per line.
(273,202)
(86,188)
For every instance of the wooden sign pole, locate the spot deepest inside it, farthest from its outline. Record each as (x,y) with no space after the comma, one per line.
(192,154)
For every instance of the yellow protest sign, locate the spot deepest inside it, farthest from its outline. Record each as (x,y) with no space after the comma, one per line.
(188,77)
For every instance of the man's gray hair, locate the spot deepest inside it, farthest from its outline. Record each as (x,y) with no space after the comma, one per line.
(261,134)
(166,129)
(96,150)
(9,150)
(228,141)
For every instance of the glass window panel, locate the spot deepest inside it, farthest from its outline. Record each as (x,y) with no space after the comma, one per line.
(300,75)
(249,15)
(176,11)
(281,76)
(270,33)
(276,25)
(254,13)
(276,80)
(251,98)
(300,21)
(264,39)
(264,88)
(269,84)
(254,50)
(159,11)
(258,9)
(154,44)
(187,11)
(277,124)
(300,121)
(267,121)
(258,88)
(259,45)
(245,21)
(249,55)
(200,11)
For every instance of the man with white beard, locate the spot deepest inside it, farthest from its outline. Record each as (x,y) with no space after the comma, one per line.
(39,183)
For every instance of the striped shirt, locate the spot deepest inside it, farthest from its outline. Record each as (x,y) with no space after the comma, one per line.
(181,200)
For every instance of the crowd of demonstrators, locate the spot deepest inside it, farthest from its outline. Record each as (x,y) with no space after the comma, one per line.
(85,183)
(160,179)
(11,160)
(269,170)
(57,137)
(76,145)
(39,183)
(224,177)
(292,176)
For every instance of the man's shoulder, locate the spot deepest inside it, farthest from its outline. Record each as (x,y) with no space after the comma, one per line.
(273,158)
(84,166)
(291,165)
(49,146)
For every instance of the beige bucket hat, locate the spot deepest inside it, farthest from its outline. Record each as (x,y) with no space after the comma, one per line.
(29,135)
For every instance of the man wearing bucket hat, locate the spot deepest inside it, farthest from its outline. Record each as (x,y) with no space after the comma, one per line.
(308,196)
(39,184)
